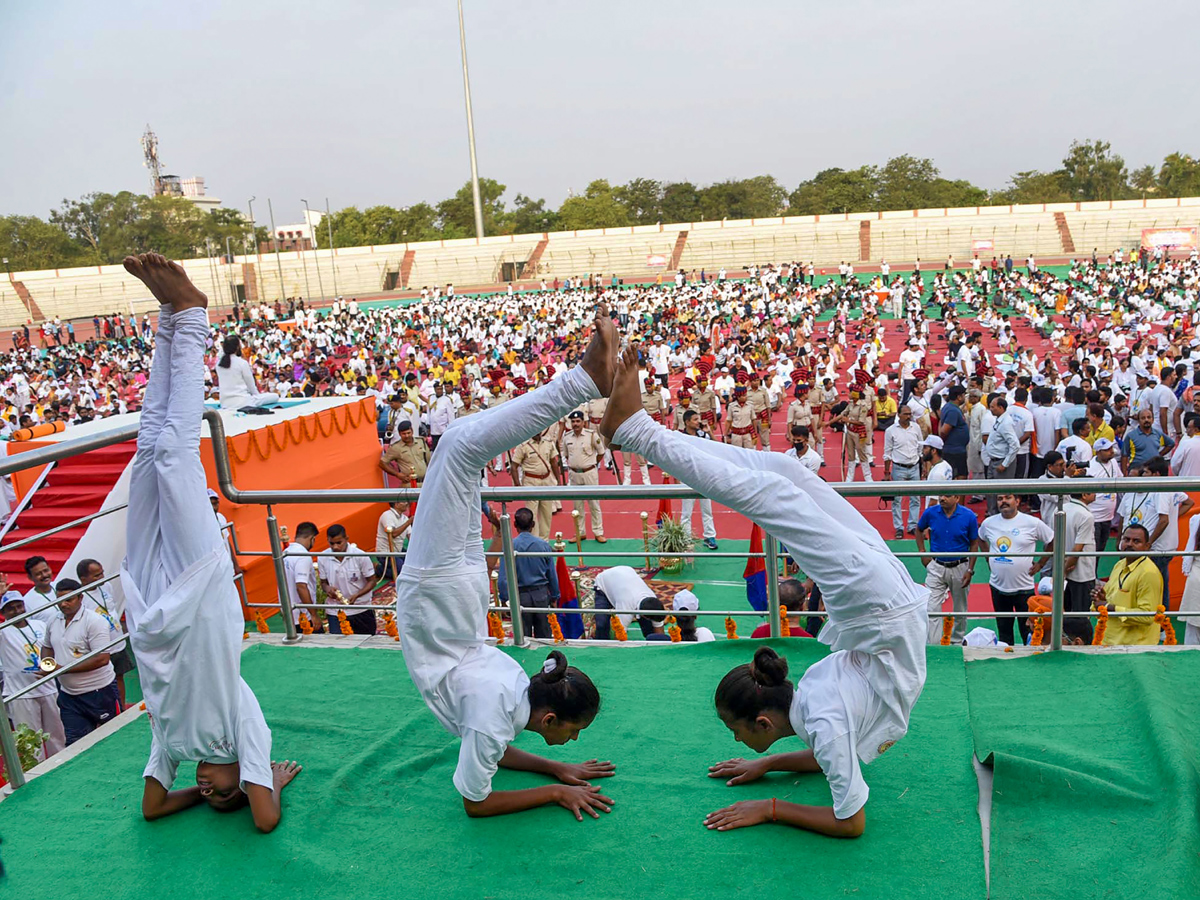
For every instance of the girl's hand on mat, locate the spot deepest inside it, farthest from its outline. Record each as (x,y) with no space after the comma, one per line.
(582,774)
(283,772)
(739,771)
(740,815)
(581,799)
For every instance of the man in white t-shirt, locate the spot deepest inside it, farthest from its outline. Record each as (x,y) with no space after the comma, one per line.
(802,450)
(181,604)
(20,657)
(390,534)
(349,582)
(88,695)
(1105,466)
(1011,531)
(619,588)
(1159,514)
(301,578)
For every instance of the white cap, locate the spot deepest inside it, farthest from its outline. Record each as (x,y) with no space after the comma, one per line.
(933,441)
(982,637)
(1046,587)
(686,601)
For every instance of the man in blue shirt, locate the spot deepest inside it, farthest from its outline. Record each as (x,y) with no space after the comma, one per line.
(537,581)
(954,431)
(1145,442)
(949,528)
(1000,451)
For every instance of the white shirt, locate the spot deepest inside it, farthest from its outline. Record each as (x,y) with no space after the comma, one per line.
(1147,509)
(624,589)
(100,601)
(941,471)
(299,568)
(236,384)
(1104,507)
(1081,529)
(441,414)
(1020,534)
(348,575)
(70,640)
(811,460)
(395,521)
(902,446)
(1046,422)
(1185,460)
(1023,423)
(34,599)
(1075,450)
(20,653)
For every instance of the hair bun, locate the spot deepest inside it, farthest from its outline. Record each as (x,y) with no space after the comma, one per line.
(768,668)
(555,667)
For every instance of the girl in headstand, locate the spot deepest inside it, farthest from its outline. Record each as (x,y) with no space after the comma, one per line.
(181,605)
(852,705)
(475,690)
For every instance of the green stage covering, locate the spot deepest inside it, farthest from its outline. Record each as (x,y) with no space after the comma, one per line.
(374,814)
(1096,786)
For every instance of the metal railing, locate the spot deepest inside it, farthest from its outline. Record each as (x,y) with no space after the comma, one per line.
(505,495)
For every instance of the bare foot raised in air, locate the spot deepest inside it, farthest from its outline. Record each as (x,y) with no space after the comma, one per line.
(166,280)
(600,358)
(626,396)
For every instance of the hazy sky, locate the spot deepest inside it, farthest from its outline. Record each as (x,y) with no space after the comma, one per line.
(361,101)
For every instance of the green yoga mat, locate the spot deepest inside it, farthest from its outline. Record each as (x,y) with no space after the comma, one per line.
(1096,784)
(374,813)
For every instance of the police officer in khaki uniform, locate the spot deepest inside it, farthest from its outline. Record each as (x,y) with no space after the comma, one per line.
(759,399)
(684,396)
(742,427)
(859,418)
(800,410)
(535,464)
(583,450)
(407,458)
(705,402)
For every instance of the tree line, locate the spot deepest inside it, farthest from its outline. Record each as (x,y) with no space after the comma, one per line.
(103,228)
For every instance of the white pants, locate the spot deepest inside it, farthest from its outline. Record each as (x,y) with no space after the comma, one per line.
(709,530)
(256,401)
(442,593)
(40,714)
(640,462)
(170,524)
(1191,634)
(873,604)
(939,581)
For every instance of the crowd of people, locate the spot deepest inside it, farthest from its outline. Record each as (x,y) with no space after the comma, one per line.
(988,370)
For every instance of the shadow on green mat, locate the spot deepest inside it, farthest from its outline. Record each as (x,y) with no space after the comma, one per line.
(374,813)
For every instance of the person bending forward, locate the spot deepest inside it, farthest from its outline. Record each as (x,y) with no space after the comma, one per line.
(851,706)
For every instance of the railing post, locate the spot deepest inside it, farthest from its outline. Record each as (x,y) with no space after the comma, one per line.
(1059,577)
(8,743)
(771,551)
(510,575)
(281,582)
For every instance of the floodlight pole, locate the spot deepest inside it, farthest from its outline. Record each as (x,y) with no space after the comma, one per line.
(462,41)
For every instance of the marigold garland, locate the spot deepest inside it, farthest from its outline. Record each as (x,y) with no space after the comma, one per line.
(618,629)
(245,635)
(261,622)
(1039,631)
(306,626)
(299,430)
(1165,624)
(730,629)
(344,623)
(1101,626)
(785,628)
(555,629)
(947,630)
(673,630)
(495,627)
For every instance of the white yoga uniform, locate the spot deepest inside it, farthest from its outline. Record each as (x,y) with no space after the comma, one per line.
(181,605)
(237,386)
(476,691)
(854,704)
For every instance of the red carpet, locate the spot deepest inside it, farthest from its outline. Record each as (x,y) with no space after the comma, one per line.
(75,487)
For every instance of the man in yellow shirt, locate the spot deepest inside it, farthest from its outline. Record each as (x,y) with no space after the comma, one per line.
(885,410)
(1134,585)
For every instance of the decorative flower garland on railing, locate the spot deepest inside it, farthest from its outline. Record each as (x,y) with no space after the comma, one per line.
(1039,630)
(673,630)
(947,630)
(1165,624)
(344,623)
(1101,626)
(300,430)
(556,629)
(618,628)
(261,622)
(389,626)
(495,627)
(785,628)
(730,629)
(306,626)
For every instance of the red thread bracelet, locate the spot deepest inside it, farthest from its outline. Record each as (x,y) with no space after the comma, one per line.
(773,809)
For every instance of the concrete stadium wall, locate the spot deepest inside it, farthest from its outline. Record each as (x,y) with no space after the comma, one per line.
(899,236)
